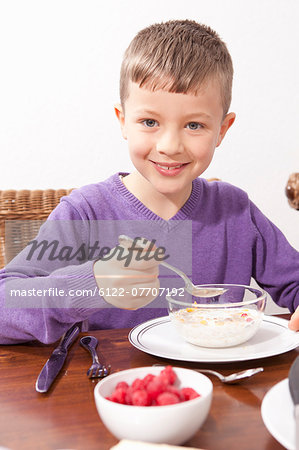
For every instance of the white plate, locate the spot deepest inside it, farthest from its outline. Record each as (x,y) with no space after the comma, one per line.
(158,337)
(278,414)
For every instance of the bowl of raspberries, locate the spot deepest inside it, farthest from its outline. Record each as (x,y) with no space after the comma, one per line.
(154,404)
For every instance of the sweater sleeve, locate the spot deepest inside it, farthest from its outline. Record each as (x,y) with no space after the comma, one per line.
(275,262)
(50,285)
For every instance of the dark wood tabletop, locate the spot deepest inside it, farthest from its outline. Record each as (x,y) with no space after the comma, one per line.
(66,416)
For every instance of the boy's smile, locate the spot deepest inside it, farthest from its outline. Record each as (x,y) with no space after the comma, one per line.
(172,138)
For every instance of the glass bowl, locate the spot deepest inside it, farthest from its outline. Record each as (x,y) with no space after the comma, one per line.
(225,320)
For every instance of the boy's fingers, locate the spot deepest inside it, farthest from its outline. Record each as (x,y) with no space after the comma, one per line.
(135,269)
(135,296)
(141,265)
(136,243)
(294,321)
(138,254)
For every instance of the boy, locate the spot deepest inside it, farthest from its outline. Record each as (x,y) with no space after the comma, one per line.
(175,91)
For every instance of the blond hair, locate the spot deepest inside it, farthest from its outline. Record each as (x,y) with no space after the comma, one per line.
(177,56)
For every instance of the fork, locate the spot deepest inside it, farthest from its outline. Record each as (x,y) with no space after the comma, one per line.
(96,370)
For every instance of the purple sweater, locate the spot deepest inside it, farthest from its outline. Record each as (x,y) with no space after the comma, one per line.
(218,236)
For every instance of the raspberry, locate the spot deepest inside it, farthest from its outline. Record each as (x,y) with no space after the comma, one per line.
(148,378)
(138,384)
(169,374)
(128,398)
(156,387)
(141,398)
(189,393)
(176,392)
(162,379)
(152,390)
(122,384)
(167,398)
(119,395)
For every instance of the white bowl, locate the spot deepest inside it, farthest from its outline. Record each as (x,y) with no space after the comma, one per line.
(170,424)
(225,320)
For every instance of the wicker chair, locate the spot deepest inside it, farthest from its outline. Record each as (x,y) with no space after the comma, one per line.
(26,210)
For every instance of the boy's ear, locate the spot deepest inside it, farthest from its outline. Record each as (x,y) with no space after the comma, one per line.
(226,124)
(121,118)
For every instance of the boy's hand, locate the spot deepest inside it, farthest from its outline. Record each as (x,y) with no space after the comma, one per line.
(125,280)
(294,321)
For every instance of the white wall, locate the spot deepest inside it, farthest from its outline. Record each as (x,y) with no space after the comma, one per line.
(60,63)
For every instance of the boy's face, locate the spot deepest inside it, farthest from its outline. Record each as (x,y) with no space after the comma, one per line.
(172,137)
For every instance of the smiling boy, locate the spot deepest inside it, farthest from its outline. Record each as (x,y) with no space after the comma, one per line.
(175,93)
(172,138)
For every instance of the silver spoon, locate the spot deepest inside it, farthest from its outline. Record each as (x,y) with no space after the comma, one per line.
(191,288)
(233,378)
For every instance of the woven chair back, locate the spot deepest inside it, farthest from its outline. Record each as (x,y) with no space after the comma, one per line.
(25,210)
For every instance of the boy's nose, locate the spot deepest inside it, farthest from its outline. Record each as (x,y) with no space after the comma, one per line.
(169,143)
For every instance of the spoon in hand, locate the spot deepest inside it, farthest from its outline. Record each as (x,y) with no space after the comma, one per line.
(191,288)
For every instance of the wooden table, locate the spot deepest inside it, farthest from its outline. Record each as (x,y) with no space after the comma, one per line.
(66,417)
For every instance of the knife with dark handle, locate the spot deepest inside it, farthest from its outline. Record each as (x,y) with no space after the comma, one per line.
(294,390)
(54,364)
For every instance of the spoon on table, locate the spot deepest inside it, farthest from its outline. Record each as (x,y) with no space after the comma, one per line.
(233,378)
(191,288)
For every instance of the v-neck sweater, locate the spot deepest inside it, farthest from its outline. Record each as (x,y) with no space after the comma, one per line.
(218,236)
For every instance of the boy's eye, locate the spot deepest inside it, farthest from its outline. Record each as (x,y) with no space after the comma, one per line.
(150,123)
(194,125)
